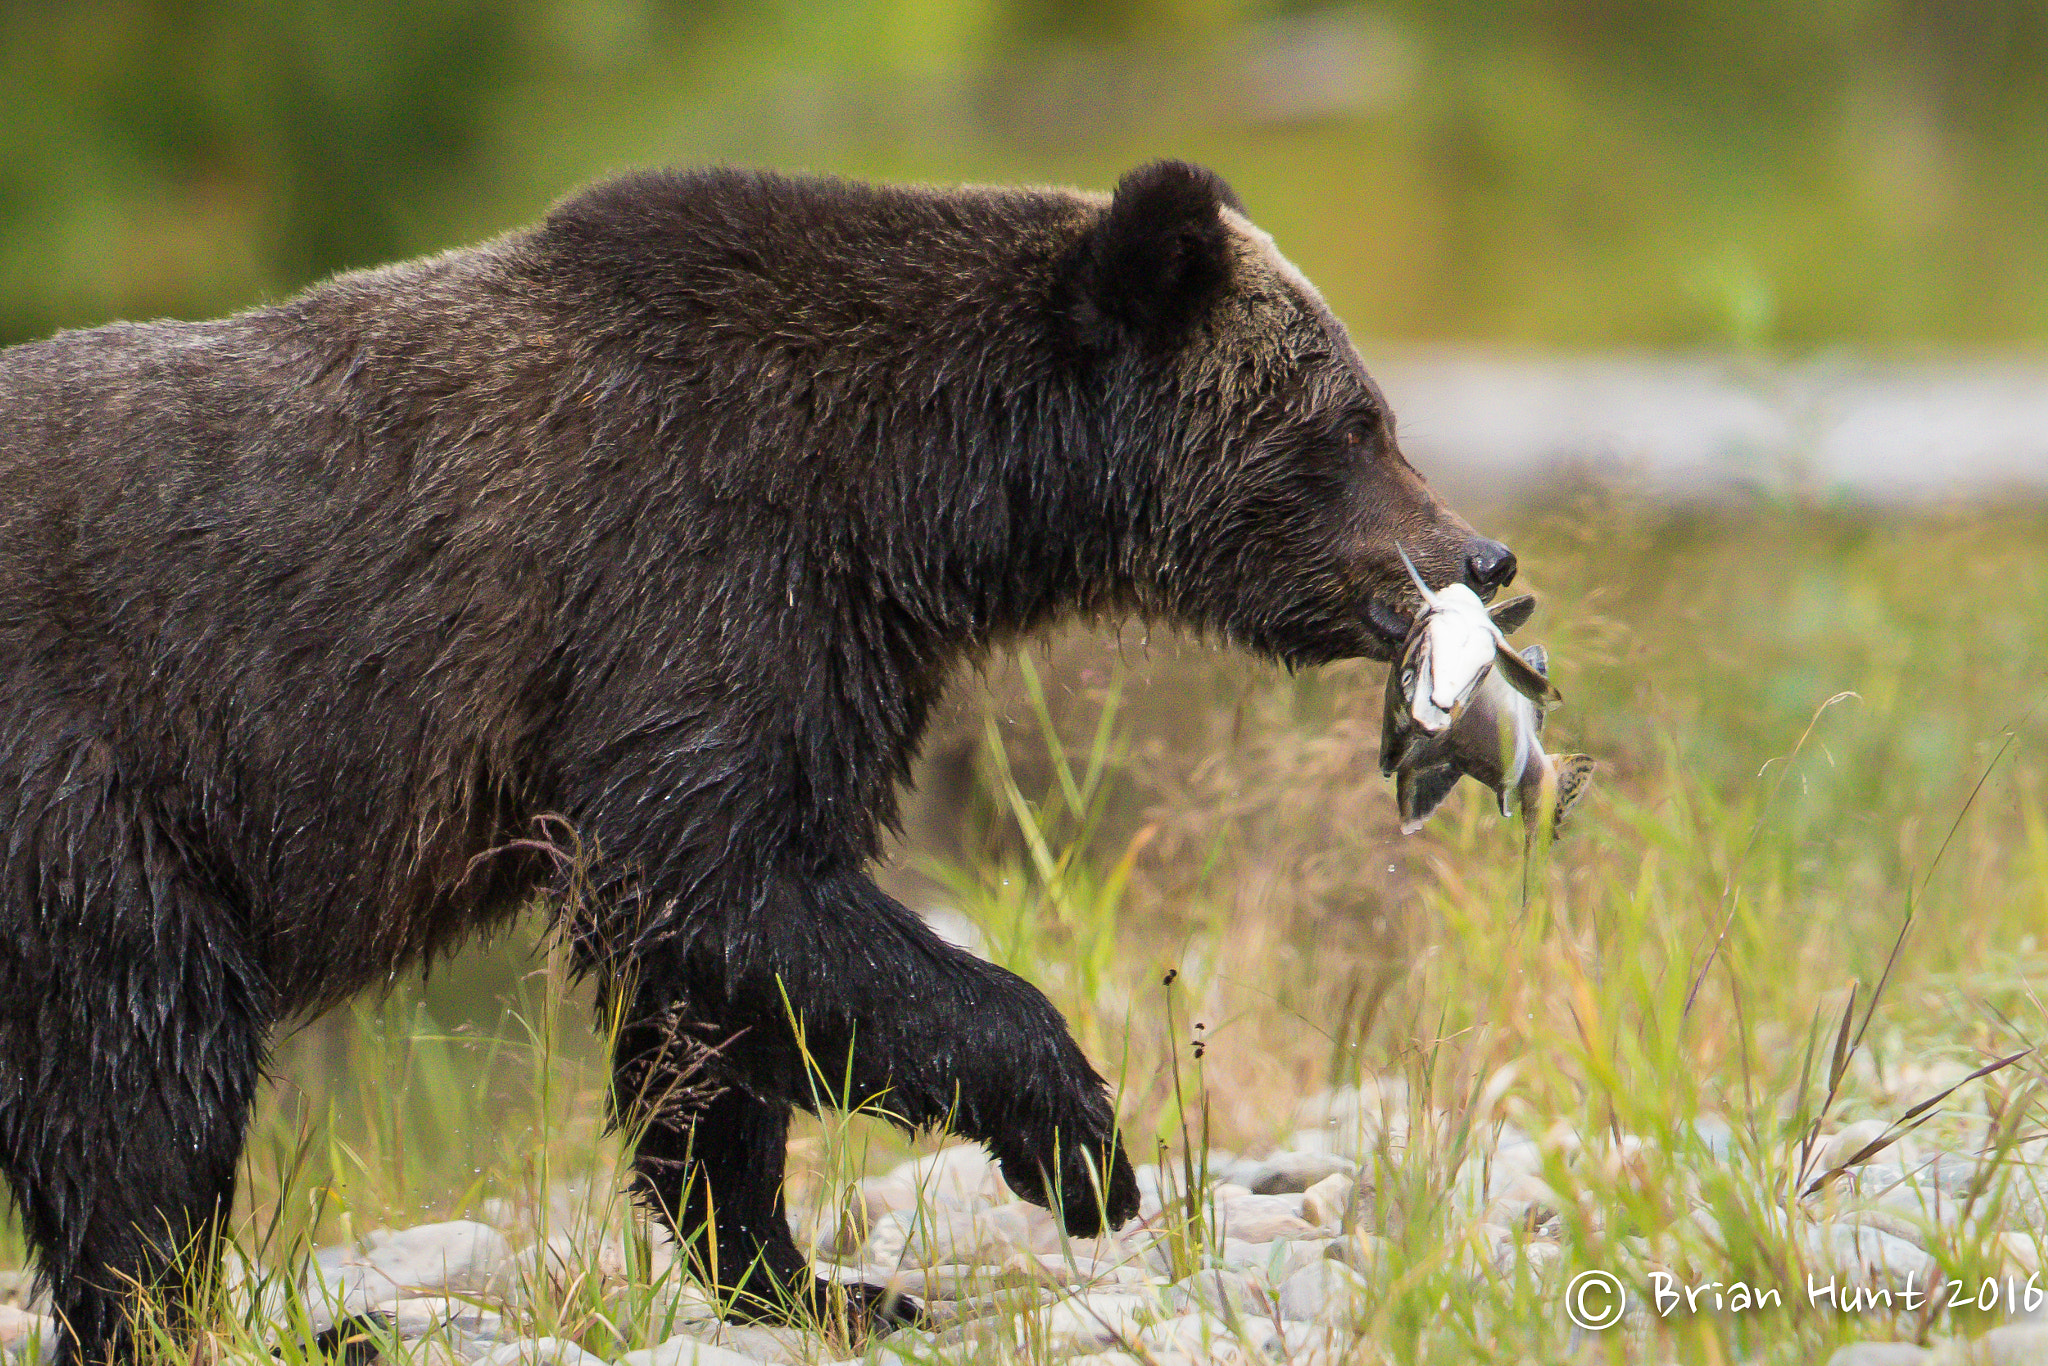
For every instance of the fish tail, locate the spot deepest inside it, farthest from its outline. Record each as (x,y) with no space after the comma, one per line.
(1418,792)
(1574,776)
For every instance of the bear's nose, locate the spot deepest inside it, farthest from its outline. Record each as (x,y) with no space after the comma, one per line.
(1489,566)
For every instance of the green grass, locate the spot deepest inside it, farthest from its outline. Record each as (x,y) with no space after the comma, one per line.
(1817,728)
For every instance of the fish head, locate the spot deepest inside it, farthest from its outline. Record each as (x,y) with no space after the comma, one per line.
(1450,648)
(1436,552)
(1454,652)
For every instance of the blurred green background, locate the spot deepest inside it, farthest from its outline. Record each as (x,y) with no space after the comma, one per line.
(1755,180)
(1574,173)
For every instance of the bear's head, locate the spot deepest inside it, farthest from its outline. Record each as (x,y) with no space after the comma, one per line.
(1278,503)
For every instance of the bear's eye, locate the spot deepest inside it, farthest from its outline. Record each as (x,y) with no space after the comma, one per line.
(1358,431)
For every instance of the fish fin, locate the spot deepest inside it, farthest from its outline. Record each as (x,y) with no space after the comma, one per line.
(1574,776)
(1418,792)
(1391,710)
(1539,660)
(1415,576)
(1397,733)
(1526,679)
(1510,616)
(1393,748)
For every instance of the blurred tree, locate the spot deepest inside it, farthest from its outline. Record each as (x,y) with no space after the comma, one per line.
(303,128)
(1551,171)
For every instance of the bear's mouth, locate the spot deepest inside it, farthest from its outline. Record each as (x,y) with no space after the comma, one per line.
(1389,625)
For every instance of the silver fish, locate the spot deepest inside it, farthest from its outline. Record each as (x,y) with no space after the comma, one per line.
(1455,643)
(1496,739)
(1454,708)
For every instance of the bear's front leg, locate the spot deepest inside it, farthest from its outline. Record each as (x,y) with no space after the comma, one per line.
(816,984)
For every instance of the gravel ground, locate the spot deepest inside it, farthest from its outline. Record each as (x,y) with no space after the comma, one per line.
(1283,1275)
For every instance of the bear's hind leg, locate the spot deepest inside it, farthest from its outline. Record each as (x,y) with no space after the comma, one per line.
(134,1029)
(709,1162)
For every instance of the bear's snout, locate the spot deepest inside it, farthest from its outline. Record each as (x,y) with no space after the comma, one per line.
(1489,566)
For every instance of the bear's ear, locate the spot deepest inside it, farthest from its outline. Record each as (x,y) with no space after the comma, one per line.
(1157,257)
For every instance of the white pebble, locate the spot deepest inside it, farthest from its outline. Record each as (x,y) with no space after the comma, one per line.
(1263,1218)
(539,1352)
(961,1172)
(1091,1322)
(416,1318)
(1869,1257)
(1285,1173)
(2016,1344)
(459,1255)
(1845,1143)
(1879,1354)
(20,1329)
(683,1350)
(1326,1290)
(1221,1292)
(1326,1202)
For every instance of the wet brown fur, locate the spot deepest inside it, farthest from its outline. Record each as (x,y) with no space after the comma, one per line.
(666,520)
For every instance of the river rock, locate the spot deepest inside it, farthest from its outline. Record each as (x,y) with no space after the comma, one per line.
(418,1318)
(962,1172)
(927,1237)
(1263,1218)
(566,1259)
(1844,1144)
(1089,1266)
(461,1255)
(1273,1262)
(1359,1250)
(1093,1321)
(1880,1354)
(1285,1173)
(758,1341)
(1322,1291)
(1005,1303)
(934,1283)
(1219,1292)
(866,1202)
(2022,1251)
(1887,1219)
(1207,1338)
(539,1352)
(684,1350)
(1328,1201)
(2016,1344)
(24,1333)
(1526,1201)
(1869,1257)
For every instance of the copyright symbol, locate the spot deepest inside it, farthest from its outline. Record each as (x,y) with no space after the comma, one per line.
(1594,1300)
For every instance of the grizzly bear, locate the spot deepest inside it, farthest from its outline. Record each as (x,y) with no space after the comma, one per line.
(659,526)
